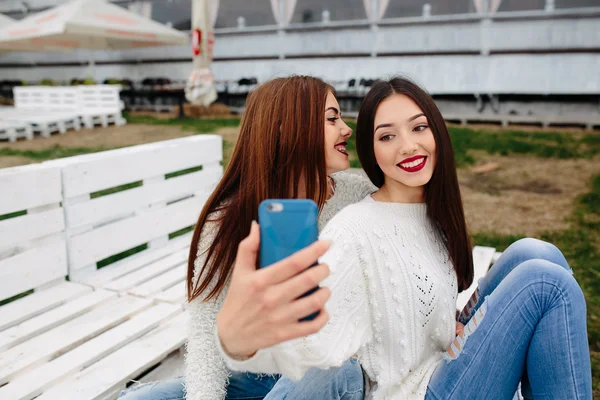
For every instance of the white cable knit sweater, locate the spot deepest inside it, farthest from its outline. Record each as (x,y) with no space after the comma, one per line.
(206,374)
(393,302)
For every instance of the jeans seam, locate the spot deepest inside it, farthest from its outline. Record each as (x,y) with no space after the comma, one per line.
(569,340)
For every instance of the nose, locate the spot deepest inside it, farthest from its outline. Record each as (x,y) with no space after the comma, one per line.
(408,146)
(346,131)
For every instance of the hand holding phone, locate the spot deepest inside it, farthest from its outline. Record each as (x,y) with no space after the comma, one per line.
(287,226)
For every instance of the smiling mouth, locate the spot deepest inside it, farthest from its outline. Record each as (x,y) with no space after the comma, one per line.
(413,164)
(341,147)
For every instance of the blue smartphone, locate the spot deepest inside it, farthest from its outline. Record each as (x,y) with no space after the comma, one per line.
(287,226)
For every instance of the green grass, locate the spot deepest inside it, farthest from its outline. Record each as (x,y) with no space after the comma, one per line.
(121,256)
(116,189)
(199,125)
(13,215)
(581,246)
(183,172)
(51,153)
(540,144)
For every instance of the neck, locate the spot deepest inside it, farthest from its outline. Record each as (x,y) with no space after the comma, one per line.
(394,192)
(302,190)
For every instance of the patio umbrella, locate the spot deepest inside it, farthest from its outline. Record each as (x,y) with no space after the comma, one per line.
(5,21)
(87,24)
(200,88)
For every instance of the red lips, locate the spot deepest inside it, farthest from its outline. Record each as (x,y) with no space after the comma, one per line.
(413,168)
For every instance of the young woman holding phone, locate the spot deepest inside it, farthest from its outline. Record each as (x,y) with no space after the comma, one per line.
(398,259)
(292,144)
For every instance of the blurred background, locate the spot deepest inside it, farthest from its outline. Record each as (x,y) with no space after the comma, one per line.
(518,82)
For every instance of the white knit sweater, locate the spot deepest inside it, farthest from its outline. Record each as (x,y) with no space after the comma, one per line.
(206,374)
(393,302)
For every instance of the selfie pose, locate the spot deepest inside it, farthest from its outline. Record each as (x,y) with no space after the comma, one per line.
(292,144)
(398,258)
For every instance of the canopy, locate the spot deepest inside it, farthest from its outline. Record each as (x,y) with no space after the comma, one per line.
(5,21)
(87,24)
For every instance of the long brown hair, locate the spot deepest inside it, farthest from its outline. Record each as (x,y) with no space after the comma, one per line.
(442,193)
(281,140)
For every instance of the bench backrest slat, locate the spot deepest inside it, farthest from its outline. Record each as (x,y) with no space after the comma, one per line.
(32,244)
(117,200)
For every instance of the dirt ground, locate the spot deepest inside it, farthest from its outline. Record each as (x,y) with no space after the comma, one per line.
(524,195)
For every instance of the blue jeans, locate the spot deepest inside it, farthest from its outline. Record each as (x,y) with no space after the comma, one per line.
(242,386)
(343,383)
(525,323)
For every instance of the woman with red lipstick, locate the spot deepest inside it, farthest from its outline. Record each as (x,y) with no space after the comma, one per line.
(292,144)
(398,259)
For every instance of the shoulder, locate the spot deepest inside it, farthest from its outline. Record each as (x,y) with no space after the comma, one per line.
(352,219)
(353,186)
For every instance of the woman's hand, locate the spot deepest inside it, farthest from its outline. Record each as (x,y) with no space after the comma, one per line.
(262,307)
(460,329)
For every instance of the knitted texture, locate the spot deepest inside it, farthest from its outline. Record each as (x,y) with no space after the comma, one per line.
(393,302)
(206,373)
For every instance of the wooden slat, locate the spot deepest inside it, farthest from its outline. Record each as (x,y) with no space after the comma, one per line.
(61,339)
(16,231)
(117,167)
(90,247)
(32,268)
(161,282)
(44,322)
(29,186)
(144,274)
(128,265)
(106,208)
(482,258)
(34,382)
(21,310)
(175,294)
(111,373)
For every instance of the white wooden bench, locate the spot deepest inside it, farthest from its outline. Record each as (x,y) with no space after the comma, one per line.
(34,105)
(11,130)
(86,338)
(100,104)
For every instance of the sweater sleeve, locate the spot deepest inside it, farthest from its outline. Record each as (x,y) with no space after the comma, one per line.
(206,375)
(349,326)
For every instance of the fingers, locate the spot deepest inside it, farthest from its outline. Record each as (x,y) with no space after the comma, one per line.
(298,309)
(302,283)
(296,263)
(248,250)
(300,329)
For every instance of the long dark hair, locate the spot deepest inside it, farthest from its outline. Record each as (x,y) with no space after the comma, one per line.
(442,193)
(281,140)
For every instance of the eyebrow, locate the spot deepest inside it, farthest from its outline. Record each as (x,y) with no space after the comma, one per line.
(409,120)
(334,109)
(415,117)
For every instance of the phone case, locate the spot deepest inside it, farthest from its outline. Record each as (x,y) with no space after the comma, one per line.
(284,232)
(287,230)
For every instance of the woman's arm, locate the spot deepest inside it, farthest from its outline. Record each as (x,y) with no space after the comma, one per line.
(206,373)
(348,328)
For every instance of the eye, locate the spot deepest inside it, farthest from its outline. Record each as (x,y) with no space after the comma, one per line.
(420,128)
(387,137)
(333,119)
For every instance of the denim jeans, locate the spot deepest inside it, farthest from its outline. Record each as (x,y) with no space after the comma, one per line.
(242,386)
(343,383)
(525,323)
